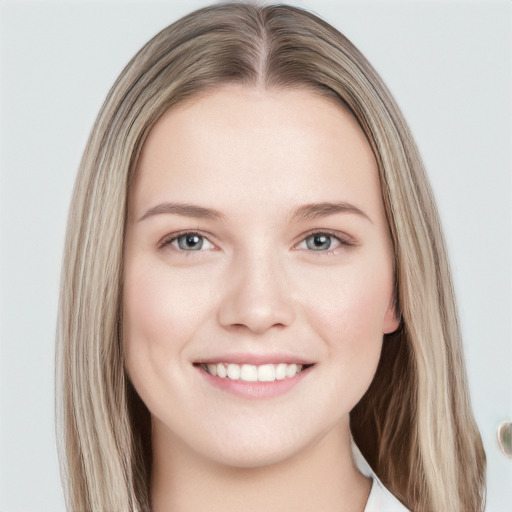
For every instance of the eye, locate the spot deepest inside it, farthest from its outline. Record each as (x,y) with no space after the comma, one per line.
(188,242)
(323,242)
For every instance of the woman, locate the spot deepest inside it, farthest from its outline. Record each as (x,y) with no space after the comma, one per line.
(255,275)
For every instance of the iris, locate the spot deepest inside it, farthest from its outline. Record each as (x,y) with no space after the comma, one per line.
(318,242)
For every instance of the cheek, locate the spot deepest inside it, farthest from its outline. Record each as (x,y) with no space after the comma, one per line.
(353,300)
(349,315)
(160,307)
(161,312)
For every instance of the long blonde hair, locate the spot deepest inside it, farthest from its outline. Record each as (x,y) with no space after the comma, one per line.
(414,425)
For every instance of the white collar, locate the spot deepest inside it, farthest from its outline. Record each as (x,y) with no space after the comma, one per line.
(380,499)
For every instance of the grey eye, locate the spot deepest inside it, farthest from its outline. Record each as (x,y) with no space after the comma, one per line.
(319,242)
(190,242)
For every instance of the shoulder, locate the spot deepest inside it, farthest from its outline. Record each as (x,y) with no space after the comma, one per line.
(380,499)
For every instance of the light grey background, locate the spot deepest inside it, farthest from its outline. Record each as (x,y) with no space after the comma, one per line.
(447,62)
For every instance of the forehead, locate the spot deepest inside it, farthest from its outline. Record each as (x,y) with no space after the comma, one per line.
(249,145)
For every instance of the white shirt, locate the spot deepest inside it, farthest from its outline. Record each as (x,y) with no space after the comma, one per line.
(380,499)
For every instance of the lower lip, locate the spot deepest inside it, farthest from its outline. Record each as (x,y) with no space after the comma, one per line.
(254,390)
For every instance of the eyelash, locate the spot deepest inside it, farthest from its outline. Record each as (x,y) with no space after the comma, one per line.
(344,241)
(174,237)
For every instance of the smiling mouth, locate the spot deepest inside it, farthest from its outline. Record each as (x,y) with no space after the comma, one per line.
(254,373)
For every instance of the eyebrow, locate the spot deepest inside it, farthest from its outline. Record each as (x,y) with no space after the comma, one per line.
(318,210)
(184,209)
(305,212)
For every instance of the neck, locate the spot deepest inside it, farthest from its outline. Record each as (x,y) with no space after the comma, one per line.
(321,477)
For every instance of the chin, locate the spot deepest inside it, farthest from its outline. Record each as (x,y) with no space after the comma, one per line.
(256,456)
(263,446)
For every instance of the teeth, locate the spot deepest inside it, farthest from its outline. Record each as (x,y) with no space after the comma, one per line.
(249,373)
(221,371)
(266,373)
(281,371)
(234,371)
(291,370)
(253,373)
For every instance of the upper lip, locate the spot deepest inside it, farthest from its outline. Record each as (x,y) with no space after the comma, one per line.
(255,359)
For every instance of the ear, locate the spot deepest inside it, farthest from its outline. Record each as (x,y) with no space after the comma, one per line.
(391,319)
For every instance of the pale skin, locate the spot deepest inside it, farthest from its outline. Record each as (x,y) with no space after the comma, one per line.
(256,236)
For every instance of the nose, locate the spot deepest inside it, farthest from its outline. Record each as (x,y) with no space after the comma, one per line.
(256,296)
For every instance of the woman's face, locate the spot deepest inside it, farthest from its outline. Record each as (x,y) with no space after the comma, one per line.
(257,247)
